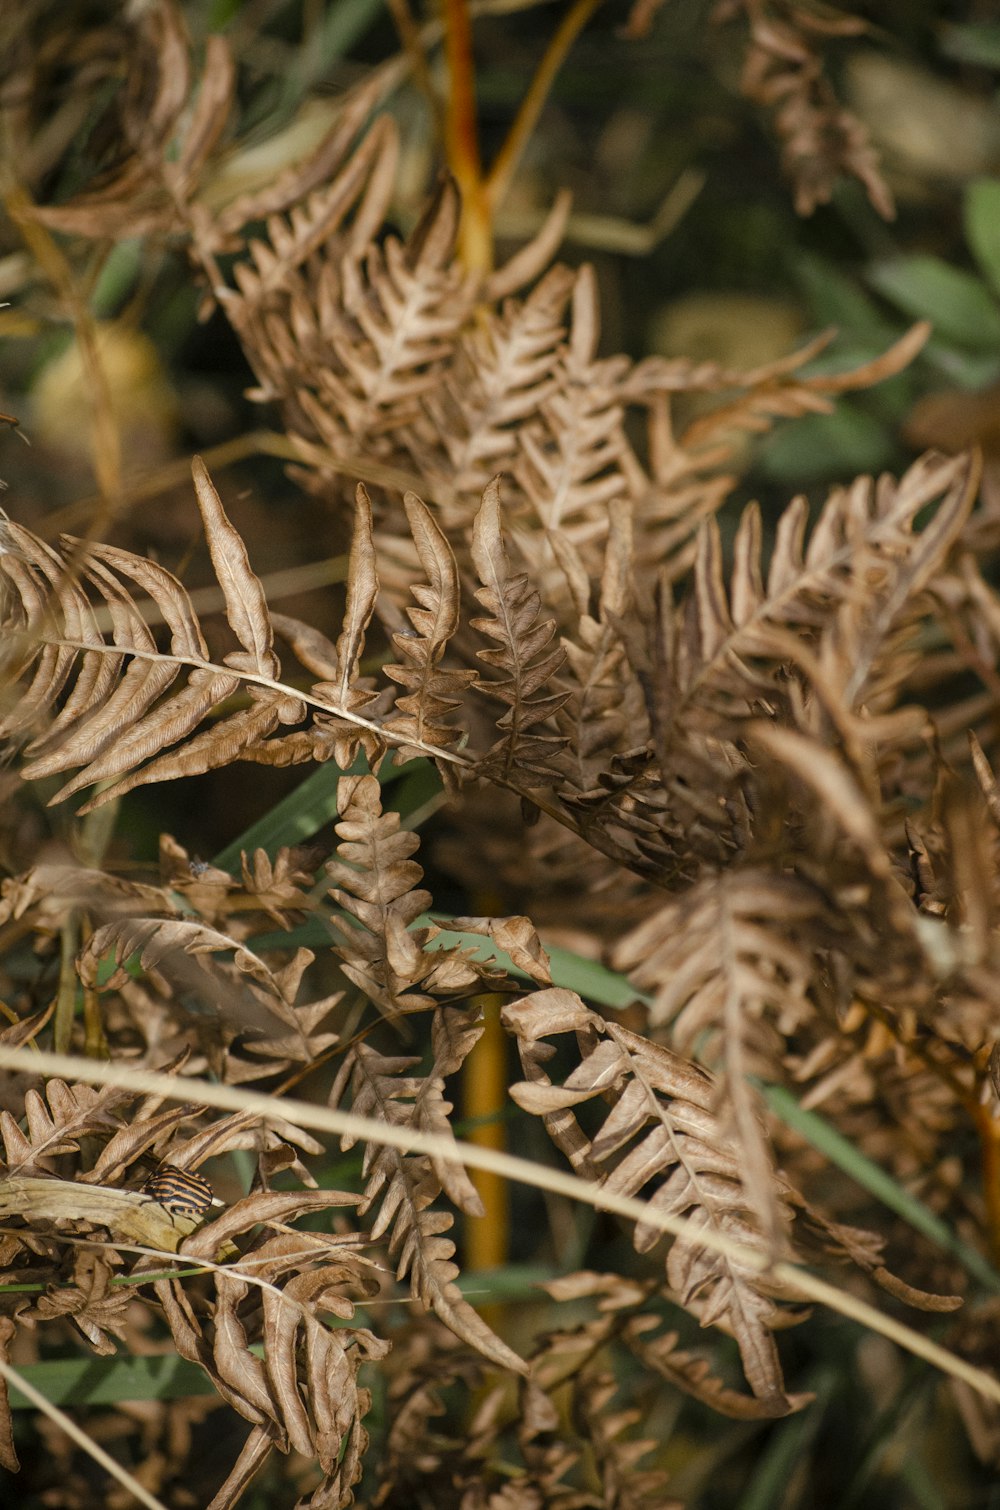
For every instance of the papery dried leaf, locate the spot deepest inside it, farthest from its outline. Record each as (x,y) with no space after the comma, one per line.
(375,883)
(248,993)
(129,1215)
(518,940)
(406,1185)
(625,1485)
(723,963)
(432,692)
(48,891)
(246,605)
(304,1389)
(521,655)
(662,1126)
(57,1120)
(783,71)
(93,1306)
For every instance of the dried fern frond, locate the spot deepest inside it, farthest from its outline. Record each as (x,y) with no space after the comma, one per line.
(303,1392)
(521,654)
(661,1127)
(808,640)
(623,1483)
(407,1185)
(626,1315)
(147,191)
(118,729)
(375,883)
(574,446)
(783,70)
(432,692)
(725,963)
(56,1121)
(503,371)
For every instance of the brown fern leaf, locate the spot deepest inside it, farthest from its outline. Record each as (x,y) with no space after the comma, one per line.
(90,1302)
(46,892)
(373,325)
(110,751)
(317,193)
(431,692)
(723,655)
(623,1317)
(118,729)
(247,992)
(57,1120)
(374,882)
(300,1039)
(662,1354)
(605,701)
(138,1140)
(171,130)
(333,737)
(776,390)
(724,963)
(521,654)
(573,457)
(625,1486)
(503,371)
(407,1185)
(784,72)
(802,582)
(662,1127)
(303,1393)
(269,283)
(150,189)
(30,572)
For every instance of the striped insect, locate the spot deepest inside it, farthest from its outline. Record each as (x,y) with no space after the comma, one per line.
(180,1191)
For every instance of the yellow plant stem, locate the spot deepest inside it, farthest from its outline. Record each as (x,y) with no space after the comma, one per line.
(507,159)
(988,1128)
(462,140)
(484,1097)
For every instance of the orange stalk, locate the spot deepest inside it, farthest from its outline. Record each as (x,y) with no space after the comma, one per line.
(462,140)
(485,1095)
(988,1127)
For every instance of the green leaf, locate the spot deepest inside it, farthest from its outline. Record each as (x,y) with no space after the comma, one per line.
(959,305)
(313,805)
(821,446)
(982,226)
(108,1381)
(976,42)
(588,977)
(836,299)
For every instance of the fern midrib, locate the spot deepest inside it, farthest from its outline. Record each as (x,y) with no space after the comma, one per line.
(259,680)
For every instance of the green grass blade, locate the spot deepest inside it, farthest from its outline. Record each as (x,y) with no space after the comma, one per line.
(313,805)
(871,1177)
(108,1381)
(294,819)
(789,1441)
